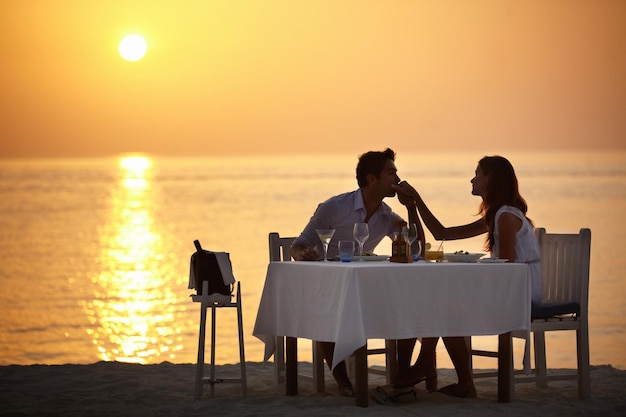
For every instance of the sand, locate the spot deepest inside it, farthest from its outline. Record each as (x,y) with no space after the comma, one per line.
(120,389)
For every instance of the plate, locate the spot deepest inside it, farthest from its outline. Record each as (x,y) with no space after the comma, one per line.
(370,258)
(492,261)
(462,257)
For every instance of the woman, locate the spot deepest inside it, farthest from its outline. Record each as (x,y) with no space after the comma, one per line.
(510,236)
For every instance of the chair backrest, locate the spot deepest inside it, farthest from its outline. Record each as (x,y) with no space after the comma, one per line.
(280,247)
(565,267)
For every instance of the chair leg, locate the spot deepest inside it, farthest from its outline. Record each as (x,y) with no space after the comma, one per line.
(584,372)
(200,360)
(212,380)
(242,355)
(539,345)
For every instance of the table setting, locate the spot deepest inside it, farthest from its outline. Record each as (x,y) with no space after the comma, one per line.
(355,299)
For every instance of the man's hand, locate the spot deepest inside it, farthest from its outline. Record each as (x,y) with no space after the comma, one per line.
(303,253)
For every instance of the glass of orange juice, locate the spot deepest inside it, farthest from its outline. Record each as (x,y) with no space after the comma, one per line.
(434,255)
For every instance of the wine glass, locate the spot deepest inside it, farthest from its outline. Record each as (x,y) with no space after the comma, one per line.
(412,236)
(325,236)
(361,233)
(418,253)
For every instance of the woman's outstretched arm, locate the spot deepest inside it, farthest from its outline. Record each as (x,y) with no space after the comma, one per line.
(438,230)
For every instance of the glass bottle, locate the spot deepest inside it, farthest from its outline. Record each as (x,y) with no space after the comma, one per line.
(400,245)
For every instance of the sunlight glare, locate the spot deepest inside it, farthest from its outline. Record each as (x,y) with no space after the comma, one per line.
(133,47)
(133,313)
(135,164)
(135,168)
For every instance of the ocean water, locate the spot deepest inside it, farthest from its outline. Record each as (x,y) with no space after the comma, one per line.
(95,252)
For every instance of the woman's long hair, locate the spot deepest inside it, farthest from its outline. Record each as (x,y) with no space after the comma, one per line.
(502,190)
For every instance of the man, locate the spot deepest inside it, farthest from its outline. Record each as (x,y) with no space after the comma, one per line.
(376,176)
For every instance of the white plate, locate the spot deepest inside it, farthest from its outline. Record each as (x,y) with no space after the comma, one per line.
(462,257)
(370,258)
(492,261)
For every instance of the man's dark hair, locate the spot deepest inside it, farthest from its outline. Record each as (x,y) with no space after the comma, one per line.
(372,162)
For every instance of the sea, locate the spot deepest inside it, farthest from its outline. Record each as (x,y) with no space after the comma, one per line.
(96,251)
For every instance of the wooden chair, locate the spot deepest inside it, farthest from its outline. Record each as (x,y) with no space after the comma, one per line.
(565,268)
(280,251)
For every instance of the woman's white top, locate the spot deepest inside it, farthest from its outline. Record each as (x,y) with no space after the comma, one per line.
(526,249)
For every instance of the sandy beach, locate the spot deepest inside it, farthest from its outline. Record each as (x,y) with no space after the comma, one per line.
(166,389)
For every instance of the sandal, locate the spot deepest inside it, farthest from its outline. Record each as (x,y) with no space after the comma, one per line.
(458,391)
(388,394)
(416,375)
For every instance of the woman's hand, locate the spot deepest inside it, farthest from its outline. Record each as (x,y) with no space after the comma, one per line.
(406,200)
(406,193)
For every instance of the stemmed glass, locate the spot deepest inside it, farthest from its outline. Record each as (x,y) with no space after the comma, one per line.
(361,233)
(325,236)
(412,236)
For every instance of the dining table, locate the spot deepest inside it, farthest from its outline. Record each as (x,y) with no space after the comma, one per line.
(350,302)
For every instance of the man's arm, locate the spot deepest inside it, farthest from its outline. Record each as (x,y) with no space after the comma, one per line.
(411,208)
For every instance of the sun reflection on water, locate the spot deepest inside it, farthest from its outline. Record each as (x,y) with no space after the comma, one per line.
(132,311)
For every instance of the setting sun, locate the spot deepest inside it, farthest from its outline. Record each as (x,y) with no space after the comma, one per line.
(133,47)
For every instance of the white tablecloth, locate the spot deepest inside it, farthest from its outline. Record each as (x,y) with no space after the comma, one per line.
(348,303)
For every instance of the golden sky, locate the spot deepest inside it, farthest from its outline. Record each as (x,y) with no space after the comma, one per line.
(268,76)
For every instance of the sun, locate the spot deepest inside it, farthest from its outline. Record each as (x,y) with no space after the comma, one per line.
(133,47)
